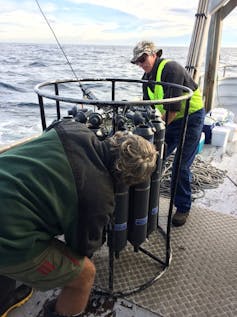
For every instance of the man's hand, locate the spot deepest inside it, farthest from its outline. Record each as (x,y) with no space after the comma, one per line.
(171,116)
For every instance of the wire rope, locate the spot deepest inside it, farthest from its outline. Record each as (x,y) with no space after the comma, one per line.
(86,92)
(204,176)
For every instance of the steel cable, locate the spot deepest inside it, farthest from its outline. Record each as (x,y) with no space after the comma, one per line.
(86,92)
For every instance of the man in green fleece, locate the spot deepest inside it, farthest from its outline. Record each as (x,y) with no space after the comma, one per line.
(62,183)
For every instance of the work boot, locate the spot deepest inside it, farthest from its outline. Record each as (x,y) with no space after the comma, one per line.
(16,298)
(179,218)
(49,310)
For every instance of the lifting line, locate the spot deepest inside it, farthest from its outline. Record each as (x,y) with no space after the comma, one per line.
(86,92)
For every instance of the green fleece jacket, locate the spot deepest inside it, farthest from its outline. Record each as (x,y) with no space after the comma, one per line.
(39,196)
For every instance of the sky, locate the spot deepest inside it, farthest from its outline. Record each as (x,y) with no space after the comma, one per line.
(108,22)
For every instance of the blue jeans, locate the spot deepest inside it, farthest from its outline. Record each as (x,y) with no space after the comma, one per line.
(183,196)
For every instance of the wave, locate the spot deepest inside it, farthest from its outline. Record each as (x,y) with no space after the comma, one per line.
(27,104)
(24,66)
(11,87)
(37,64)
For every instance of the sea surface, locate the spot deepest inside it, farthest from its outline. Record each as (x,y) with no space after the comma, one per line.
(23,66)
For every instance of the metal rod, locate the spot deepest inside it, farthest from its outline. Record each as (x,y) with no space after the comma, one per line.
(113,89)
(57,102)
(151,255)
(42,113)
(111,259)
(176,177)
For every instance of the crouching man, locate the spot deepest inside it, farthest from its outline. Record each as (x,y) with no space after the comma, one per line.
(62,183)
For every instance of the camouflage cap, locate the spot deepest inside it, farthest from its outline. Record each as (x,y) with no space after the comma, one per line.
(143,47)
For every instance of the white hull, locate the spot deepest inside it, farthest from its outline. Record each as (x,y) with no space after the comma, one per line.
(226,94)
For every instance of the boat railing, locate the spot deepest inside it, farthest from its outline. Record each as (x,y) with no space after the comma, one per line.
(17,143)
(227,68)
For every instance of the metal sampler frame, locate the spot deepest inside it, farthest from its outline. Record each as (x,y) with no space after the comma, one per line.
(92,101)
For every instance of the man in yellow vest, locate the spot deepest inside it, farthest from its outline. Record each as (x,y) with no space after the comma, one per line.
(148,57)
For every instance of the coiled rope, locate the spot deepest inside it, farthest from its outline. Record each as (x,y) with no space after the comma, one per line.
(204,176)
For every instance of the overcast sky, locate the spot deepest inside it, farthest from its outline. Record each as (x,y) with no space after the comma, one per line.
(123,22)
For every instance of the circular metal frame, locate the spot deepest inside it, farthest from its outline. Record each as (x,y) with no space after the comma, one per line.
(116,104)
(38,90)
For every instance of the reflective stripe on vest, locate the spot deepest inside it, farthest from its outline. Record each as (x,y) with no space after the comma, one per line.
(196,102)
(158,91)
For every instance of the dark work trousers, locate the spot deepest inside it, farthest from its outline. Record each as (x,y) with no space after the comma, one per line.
(6,286)
(183,197)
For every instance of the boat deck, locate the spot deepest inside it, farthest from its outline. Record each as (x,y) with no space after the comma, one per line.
(201,279)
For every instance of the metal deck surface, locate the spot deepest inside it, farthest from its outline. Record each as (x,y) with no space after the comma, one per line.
(201,280)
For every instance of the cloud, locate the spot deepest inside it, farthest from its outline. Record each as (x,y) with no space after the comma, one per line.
(100,21)
(152,9)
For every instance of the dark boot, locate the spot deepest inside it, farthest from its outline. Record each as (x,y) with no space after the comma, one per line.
(7,285)
(49,310)
(15,298)
(179,218)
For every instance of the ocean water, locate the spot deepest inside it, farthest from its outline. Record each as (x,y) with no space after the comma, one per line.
(23,66)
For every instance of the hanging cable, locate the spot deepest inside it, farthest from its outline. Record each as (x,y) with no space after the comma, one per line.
(86,93)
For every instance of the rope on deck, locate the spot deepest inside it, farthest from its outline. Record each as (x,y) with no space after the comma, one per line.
(204,176)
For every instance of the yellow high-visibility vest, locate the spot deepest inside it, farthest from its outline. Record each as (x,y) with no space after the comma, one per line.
(196,102)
